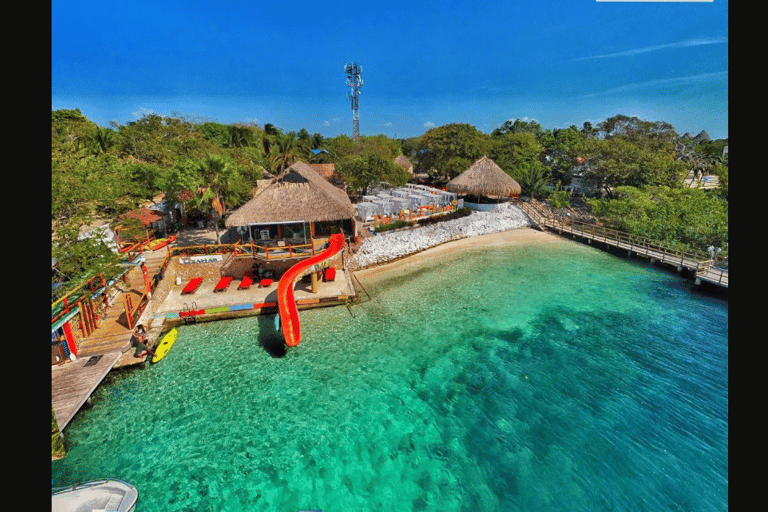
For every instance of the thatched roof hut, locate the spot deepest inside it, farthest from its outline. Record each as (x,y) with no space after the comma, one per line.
(298,194)
(403,162)
(484,178)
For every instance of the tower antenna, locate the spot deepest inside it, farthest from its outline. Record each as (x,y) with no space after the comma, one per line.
(355,82)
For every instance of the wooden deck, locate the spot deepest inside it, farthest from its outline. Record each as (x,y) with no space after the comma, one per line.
(73,383)
(700,266)
(108,347)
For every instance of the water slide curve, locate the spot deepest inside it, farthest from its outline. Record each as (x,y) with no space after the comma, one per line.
(289,314)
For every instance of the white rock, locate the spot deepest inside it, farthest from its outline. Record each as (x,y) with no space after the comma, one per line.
(390,245)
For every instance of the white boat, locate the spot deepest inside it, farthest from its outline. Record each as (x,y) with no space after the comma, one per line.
(108,495)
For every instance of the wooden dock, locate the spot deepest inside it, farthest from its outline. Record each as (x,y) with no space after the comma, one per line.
(702,267)
(108,347)
(73,383)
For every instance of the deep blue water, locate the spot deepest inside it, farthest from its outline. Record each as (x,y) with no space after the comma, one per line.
(550,377)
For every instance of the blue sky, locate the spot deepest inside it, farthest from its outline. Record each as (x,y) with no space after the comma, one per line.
(425,63)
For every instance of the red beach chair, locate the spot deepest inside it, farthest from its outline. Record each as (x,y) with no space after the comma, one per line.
(245,283)
(192,285)
(330,274)
(265,283)
(223,284)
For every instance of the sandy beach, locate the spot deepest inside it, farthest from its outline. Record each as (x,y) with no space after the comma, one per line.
(523,235)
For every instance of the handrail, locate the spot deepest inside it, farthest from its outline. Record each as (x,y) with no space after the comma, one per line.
(634,243)
(262,251)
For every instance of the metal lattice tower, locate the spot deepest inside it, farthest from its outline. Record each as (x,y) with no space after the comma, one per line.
(355,82)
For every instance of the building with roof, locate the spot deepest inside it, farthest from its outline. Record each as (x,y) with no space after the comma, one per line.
(485,179)
(299,204)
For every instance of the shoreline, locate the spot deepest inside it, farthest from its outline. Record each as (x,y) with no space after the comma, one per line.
(521,235)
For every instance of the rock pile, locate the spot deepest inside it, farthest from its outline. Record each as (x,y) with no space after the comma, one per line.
(396,244)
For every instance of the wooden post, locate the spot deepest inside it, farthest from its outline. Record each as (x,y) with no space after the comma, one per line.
(92,313)
(82,321)
(147,284)
(314,282)
(128,303)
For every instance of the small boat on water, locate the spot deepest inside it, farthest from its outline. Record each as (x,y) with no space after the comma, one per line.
(98,495)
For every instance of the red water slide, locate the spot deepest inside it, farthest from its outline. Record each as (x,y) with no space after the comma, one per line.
(289,315)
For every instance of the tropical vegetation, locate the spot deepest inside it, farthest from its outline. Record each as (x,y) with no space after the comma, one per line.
(638,171)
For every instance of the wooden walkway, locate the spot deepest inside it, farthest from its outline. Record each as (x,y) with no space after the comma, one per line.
(701,266)
(73,383)
(108,347)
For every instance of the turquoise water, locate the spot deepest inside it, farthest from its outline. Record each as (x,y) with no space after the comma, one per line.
(550,377)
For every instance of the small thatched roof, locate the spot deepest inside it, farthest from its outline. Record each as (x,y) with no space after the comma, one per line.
(484,178)
(403,162)
(297,194)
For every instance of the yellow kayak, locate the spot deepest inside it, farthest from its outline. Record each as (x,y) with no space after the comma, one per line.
(165,345)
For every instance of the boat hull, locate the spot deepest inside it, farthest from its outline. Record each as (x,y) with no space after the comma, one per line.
(108,494)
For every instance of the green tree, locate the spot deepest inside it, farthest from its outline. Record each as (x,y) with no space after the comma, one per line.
(517,126)
(284,150)
(360,172)
(77,260)
(221,188)
(517,153)
(680,217)
(618,162)
(652,135)
(533,179)
(561,149)
(439,145)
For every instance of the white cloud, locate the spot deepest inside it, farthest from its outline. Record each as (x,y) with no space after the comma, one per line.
(647,49)
(142,112)
(388,123)
(429,124)
(326,123)
(667,82)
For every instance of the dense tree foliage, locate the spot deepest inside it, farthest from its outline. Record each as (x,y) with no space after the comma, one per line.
(682,217)
(103,172)
(447,151)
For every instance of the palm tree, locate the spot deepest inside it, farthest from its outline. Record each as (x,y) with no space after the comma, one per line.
(283,151)
(219,188)
(533,179)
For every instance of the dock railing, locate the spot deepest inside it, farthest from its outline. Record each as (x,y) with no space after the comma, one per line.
(701,264)
(273,251)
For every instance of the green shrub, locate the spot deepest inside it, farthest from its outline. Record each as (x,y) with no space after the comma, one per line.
(560,198)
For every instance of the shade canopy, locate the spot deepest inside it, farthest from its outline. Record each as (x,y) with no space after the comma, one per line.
(297,194)
(484,178)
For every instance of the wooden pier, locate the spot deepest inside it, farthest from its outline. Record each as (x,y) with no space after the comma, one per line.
(73,383)
(701,266)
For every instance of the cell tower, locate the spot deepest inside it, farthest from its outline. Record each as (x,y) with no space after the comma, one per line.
(355,82)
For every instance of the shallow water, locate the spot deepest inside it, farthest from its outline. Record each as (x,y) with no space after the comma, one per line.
(549,377)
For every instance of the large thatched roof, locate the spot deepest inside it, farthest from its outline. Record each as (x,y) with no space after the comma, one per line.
(484,178)
(297,194)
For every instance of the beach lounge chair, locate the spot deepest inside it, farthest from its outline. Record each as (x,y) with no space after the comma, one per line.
(330,274)
(265,283)
(223,284)
(245,283)
(192,285)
